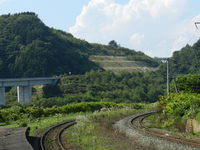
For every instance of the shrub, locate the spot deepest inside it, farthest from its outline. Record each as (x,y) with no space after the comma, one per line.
(181,105)
(35,112)
(22,124)
(17,112)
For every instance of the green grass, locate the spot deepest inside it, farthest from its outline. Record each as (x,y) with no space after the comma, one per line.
(40,124)
(155,120)
(159,121)
(90,131)
(38,121)
(13,125)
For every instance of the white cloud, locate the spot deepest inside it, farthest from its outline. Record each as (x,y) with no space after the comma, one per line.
(104,20)
(1,1)
(136,39)
(186,33)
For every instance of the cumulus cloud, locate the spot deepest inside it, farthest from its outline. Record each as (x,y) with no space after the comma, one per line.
(186,33)
(139,24)
(1,1)
(136,39)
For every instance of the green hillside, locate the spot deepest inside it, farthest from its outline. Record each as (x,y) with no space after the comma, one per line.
(123,59)
(28,48)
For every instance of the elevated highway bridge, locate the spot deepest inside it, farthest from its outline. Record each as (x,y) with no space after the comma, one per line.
(24,87)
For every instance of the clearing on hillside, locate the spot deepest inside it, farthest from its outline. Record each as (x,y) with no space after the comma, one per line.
(120,63)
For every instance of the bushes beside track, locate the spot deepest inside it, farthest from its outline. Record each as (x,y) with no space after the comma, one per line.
(178,108)
(19,112)
(181,105)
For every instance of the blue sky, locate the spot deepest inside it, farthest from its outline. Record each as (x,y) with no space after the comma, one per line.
(156,27)
(60,14)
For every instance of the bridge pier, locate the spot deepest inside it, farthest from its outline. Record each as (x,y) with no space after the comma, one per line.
(24,87)
(2,96)
(24,94)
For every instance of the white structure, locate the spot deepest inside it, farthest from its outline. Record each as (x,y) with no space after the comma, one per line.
(24,87)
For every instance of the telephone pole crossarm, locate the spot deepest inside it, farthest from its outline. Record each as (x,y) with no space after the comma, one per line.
(196,24)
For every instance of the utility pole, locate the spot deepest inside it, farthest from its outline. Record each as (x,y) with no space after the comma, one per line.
(167,62)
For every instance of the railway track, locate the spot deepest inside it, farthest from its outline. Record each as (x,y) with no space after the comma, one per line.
(52,138)
(136,122)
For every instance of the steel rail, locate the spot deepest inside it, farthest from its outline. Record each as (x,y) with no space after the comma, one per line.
(160,134)
(60,142)
(58,139)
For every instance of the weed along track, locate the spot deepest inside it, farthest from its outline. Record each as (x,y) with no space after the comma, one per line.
(52,138)
(136,122)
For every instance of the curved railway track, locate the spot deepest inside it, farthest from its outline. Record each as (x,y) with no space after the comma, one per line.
(136,122)
(52,138)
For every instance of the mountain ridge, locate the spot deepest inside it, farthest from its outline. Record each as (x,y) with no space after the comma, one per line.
(28,48)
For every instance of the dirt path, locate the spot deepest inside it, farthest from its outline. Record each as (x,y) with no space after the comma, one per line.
(14,139)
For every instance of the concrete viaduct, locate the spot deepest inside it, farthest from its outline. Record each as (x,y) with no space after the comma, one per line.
(24,87)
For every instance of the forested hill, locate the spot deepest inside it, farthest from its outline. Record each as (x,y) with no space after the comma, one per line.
(28,48)
(185,61)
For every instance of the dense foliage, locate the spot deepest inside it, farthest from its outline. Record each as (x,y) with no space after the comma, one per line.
(18,112)
(113,43)
(95,86)
(189,83)
(179,107)
(28,48)
(184,61)
(107,86)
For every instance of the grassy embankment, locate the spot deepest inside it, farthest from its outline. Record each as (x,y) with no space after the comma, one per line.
(95,131)
(38,119)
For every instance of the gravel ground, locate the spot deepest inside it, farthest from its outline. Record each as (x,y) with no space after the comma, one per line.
(153,143)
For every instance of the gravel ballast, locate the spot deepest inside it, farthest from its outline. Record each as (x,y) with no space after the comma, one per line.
(153,143)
